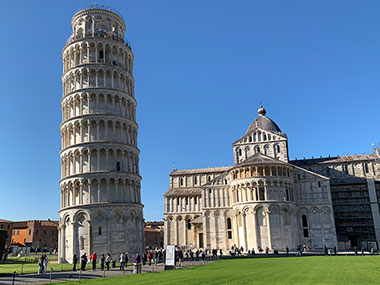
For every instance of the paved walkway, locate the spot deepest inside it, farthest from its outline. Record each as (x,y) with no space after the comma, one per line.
(88,274)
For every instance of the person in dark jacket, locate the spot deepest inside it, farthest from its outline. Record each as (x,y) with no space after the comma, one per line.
(75,261)
(102,261)
(83,261)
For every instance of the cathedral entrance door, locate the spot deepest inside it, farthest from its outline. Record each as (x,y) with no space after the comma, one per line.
(200,240)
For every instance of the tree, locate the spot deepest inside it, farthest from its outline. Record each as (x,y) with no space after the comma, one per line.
(3,238)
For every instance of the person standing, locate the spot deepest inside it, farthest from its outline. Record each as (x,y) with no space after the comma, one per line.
(287,250)
(83,261)
(150,256)
(102,261)
(93,258)
(108,261)
(137,262)
(126,258)
(122,261)
(75,261)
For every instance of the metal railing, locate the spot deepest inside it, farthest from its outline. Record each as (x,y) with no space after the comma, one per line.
(101,7)
(101,35)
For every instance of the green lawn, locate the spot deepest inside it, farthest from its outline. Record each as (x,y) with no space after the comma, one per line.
(277,270)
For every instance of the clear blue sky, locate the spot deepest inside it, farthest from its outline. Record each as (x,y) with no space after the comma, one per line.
(201,69)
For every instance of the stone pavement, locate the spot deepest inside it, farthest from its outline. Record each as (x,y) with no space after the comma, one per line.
(88,274)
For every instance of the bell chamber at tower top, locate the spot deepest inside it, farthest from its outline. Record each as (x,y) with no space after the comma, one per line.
(96,55)
(98,23)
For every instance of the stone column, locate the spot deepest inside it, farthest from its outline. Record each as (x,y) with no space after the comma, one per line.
(175,231)
(81,194)
(268,227)
(184,232)
(255,244)
(89,236)
(74,238)
(166,232)
(205,232)
(244,216)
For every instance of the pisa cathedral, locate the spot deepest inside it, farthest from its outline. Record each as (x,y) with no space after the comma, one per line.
(265,200)
(101,206)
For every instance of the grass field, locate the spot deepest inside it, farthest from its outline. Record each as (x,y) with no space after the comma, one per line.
(278,270)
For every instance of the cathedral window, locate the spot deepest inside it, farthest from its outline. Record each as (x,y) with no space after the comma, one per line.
(209,177)
(100,231)
(229,234)
(239,151)
(304,221)
(305,227)
(187,200)
(319,184)
(265,137)
(261,194)
(181,181)
(278,149)
(229,224)
(287,195)
(299,177)
(366,168)
(118,166)
(225,181)
(250,139)
(195,180)
(189,224)
(178,201)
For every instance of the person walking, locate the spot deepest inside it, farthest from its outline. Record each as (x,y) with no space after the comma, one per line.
(41,264)
(75,261)
(93,260)
(334,250)
(150,257)
(45,263)
(102,261)
(83,261)
(108,261)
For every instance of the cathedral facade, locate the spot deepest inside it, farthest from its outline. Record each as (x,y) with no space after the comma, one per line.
(264,200)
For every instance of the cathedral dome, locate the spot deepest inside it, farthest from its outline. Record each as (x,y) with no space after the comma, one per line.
(264,123)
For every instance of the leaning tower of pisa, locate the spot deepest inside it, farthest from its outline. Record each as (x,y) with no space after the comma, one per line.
(101,208)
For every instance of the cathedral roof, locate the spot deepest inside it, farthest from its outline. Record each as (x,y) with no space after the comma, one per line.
(200,170)
(183,192)
(263,123)
(335,159)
